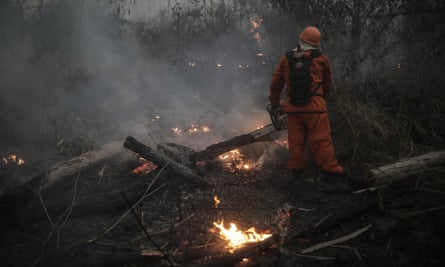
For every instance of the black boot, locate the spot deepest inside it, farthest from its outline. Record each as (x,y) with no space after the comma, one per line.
(330,183)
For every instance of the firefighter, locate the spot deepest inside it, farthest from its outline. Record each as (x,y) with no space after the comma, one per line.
(306,87)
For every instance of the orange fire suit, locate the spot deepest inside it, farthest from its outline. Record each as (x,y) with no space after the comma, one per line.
(308,122)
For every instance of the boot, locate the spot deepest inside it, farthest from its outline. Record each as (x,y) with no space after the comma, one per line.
(330,183)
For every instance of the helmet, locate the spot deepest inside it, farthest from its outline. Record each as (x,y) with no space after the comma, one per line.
(311,35)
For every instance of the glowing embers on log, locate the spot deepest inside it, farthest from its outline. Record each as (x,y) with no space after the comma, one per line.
(12,159)
(145,166)
(235,237)
(234,161)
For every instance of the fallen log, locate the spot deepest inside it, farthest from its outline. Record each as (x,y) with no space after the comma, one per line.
(24,193)
(410,167)
(149,154)
(263,134)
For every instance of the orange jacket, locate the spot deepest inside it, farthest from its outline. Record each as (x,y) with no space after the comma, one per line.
(320,72)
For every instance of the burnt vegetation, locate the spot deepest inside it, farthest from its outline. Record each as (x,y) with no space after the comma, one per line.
(79,78)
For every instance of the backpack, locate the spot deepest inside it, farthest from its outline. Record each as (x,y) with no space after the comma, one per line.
(300,78)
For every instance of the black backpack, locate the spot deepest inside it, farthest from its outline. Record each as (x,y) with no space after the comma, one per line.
(300,78)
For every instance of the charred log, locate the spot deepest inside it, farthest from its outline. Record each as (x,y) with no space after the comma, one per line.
(148,153)
(263,134)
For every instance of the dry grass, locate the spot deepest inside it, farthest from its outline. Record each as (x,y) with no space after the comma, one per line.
(384,126)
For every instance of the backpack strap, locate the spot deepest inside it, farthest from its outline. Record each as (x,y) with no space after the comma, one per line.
(312,55)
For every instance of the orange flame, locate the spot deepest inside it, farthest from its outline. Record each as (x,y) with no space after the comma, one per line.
(192,130)
(11,159)
(217,201)
(237,238)
(256,23)
(146,167)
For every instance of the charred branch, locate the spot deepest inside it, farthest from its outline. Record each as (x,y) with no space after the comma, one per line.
(148,153)
(263,134)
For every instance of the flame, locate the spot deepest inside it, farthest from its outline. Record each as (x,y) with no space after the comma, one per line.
(232,154)
(281,142)
(155,118)
(177,131)
(219,65)
(235,161)
(255,24)
(191,130)
(237,238)
(217,201)
(11,159)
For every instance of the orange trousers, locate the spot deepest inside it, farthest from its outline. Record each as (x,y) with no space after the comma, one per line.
(315,129)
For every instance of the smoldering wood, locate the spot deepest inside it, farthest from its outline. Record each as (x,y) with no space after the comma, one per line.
(410,167)
(264,134)
(157,158)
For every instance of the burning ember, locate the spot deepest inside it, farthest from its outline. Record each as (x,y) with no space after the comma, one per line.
(234,161)
(237,238)
(191,130)
(217,201)
(145,167)
(13,159)
(256,24)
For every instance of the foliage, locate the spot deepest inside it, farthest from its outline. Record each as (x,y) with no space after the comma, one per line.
(387,59)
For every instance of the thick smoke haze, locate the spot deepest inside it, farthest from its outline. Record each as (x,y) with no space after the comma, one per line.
(83,74)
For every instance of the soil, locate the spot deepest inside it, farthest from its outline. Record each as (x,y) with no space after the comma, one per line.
(407,219)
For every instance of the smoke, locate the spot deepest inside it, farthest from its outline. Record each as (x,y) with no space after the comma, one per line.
(77,73)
